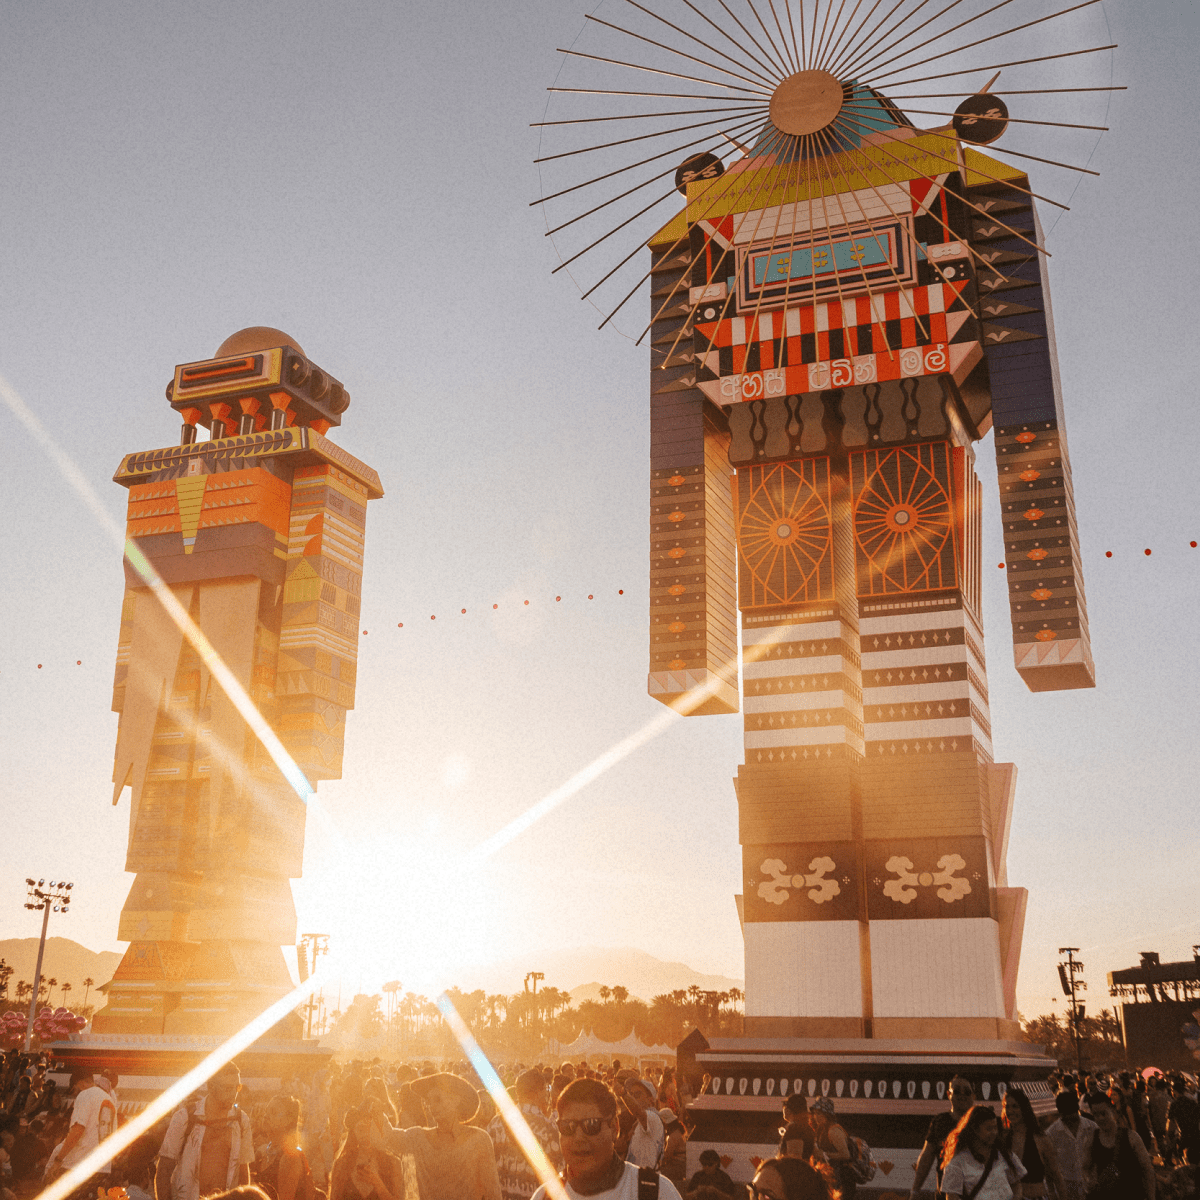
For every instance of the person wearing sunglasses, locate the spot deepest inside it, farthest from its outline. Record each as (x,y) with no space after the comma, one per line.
(789,1179)
(587,1130)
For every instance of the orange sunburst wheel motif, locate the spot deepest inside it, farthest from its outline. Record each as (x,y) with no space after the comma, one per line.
(784,534)
(905,526)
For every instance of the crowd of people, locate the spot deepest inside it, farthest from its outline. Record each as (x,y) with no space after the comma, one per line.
(373,1131)
(1111,1138)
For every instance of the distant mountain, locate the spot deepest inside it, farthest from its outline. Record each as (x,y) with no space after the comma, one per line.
(582,971)
(65,960)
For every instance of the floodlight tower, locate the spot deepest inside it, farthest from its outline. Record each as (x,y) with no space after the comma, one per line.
(57,897)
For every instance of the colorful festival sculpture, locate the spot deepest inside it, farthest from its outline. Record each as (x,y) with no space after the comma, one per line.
(258,531)
(837,315)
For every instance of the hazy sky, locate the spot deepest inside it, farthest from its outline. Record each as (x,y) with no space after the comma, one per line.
(359,174)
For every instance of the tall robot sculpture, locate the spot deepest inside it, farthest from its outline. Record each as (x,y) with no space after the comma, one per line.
(838,318)
(258,530)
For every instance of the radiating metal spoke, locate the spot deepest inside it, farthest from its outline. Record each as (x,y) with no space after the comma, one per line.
(1048,161)
(980,41)
(621,196)
(787,4)
(825,161)
(792,143)
(925,112)
(640,137)
(679,112)
(787,70)
(828,31)
(845,69)
(655,95)
(719,195)
(765,62)
(783,37)
(837,41)
(1004,92)
(951,234)
(618,171)
(768,79)
(870,55)
(666,254)
(836,66)
(1020,62)
(765,53)
(616,62)
(954,163)
(741,74)
(756,179)
(604,237)
(990,216)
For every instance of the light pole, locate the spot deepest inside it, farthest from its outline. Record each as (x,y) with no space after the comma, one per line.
(537,977)
(1071,988)
(312,946)
(58,895)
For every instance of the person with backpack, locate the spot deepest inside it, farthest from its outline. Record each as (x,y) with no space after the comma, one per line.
(975,1166)
(850,1157)
(209,1144)
(282,1169)
(587,1131)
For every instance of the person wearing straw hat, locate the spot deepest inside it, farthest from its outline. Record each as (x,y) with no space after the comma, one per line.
(453,1160)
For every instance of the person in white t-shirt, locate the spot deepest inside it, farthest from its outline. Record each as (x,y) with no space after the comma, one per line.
(648,1137)
(587,1131)
(975,1165)
(93,1118)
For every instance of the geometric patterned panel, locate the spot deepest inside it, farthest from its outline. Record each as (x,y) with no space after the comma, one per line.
(927,878)
(906,523)
(784,533)
(814,881)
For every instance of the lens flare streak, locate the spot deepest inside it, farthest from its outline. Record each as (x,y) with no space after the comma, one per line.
(141,564)
(513,1117)
(178,1092)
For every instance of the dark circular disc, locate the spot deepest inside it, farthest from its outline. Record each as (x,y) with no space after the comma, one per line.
(697,166)
(981,118)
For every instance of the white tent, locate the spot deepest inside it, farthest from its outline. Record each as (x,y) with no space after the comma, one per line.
(629,1049)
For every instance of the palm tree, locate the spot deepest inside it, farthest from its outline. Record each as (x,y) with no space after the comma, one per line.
(620,994)
(88,984)
(605,992)
(24,987)
(48,985)
(391,989)
(66,987)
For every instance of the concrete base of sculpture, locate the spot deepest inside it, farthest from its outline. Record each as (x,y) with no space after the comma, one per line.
(142,1067)
(885,1091)
(211,989)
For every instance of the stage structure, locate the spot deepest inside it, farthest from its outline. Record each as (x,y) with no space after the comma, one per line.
(837,315)
(258,530)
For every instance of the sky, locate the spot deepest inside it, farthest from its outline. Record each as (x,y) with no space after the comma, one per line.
(360,175)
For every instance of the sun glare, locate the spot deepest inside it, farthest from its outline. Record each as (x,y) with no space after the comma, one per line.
(412,908)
